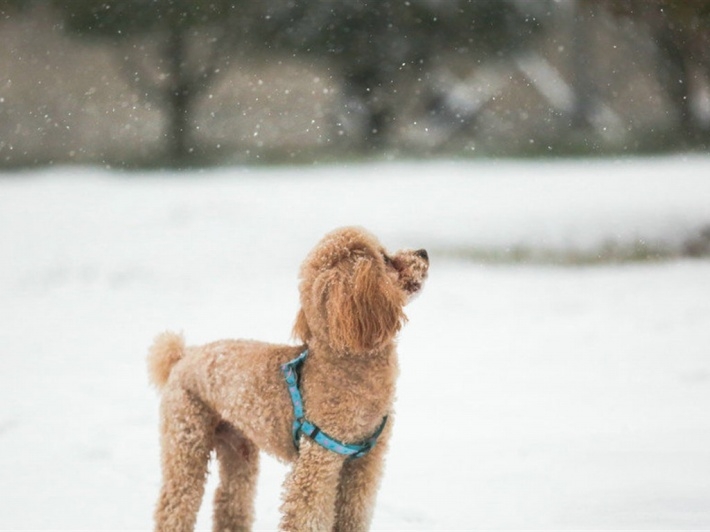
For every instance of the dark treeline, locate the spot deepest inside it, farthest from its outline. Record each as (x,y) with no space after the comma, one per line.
(186,82)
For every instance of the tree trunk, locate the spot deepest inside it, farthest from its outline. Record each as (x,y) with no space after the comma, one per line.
(378,123)
(676,78)
(179,100)
(582,54)
(363,87)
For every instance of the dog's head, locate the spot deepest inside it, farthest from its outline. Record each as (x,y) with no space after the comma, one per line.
(353,292)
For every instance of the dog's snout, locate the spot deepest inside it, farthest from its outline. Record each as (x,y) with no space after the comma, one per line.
(423,254)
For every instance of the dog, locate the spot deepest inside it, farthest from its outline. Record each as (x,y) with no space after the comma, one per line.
(233,397)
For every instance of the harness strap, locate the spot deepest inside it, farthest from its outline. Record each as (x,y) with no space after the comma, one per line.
(302,426)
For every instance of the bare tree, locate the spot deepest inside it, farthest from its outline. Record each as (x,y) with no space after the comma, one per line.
(373,46)
(170,50)
(681,31)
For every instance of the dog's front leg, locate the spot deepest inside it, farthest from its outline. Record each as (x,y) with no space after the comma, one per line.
(310,490)
(359,481)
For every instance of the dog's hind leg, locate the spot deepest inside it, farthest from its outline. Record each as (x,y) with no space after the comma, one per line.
(238,469)
(187,438)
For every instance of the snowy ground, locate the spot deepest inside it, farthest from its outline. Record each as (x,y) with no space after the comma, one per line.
(531,396)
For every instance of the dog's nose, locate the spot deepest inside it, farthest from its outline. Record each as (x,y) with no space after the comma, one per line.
(423,254)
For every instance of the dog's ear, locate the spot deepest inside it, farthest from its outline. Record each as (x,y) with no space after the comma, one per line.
(364,308)
(301,330)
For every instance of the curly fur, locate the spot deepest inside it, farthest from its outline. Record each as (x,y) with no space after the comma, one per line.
(229,396)
(164,354)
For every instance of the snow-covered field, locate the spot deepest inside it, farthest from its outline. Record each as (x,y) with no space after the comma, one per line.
(531,396)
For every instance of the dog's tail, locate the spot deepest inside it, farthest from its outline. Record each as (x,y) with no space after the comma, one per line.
(166,351)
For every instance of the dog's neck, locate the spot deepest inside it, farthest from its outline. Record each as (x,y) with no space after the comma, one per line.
(369,376)
(347,359)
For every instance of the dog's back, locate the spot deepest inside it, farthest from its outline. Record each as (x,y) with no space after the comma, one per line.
(240,381)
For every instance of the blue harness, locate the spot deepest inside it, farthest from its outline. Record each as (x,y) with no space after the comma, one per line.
(302,426)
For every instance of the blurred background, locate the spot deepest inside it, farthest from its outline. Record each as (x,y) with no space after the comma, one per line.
(158,170)
(185,83)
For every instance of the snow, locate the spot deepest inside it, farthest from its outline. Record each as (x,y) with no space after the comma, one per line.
(530,396)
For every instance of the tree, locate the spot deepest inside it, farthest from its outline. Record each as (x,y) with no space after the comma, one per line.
(371,45)
(171,50)
(9,6)
(681,31)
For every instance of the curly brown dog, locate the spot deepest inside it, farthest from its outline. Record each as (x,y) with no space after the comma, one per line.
(230,396)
